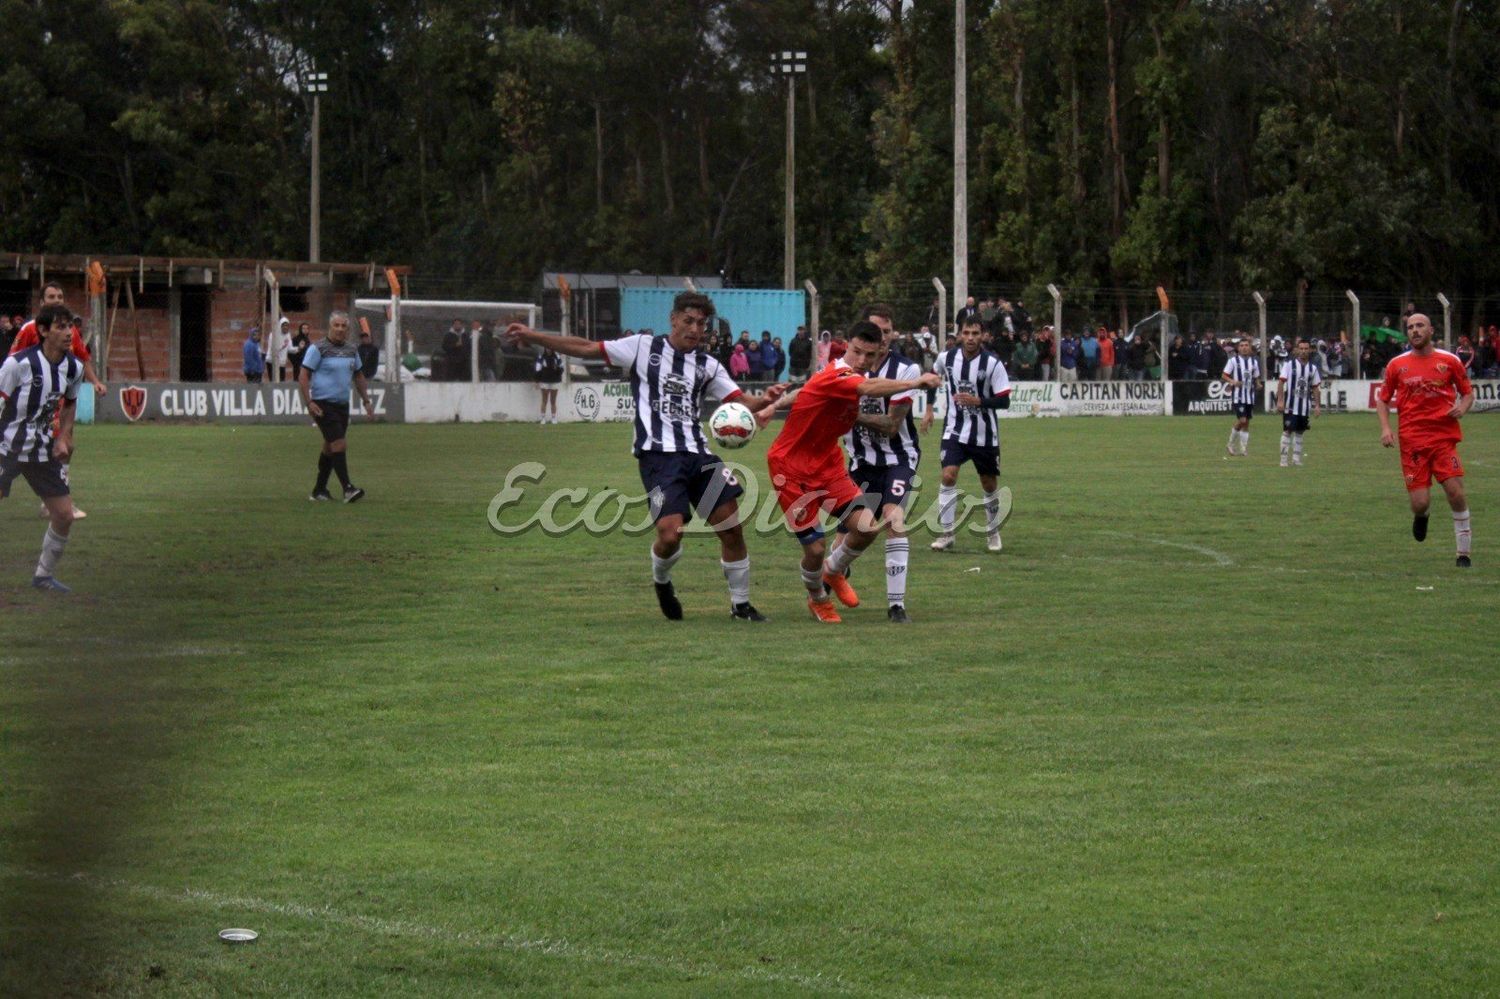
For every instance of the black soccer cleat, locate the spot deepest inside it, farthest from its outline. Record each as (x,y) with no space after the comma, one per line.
(320,496)
(1419,527)
(744,612)
(671,607)
(896,614)
(353,494)
(1464,563)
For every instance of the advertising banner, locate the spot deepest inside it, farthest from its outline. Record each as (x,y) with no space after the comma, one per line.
(132,402)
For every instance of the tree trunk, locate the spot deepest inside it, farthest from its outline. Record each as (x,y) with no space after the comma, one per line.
(666,165)
(1163,127)
(598,158)
(1117,192)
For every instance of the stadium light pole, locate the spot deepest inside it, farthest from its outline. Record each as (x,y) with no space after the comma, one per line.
(315,84)
(790,64)
(1358,341)
(960,155)
(1447,321)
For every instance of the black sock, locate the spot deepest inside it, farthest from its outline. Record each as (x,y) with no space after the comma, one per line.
(341,467)
(325,465)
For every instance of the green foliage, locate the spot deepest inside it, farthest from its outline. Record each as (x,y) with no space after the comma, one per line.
(1266,144)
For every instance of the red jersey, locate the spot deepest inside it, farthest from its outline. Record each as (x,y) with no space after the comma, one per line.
(28,337)
(1423,389)
(824,411)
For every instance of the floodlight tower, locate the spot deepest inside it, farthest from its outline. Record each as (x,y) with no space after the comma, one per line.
(315,84)
(790,64)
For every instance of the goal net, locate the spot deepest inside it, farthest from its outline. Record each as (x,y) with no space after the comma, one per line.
(449,341)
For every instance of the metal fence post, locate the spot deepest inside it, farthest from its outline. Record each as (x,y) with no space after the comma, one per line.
(1056,361)
(1447,321)
(942,330)
(1358,344)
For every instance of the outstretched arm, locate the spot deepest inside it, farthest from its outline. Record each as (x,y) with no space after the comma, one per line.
(884,388)
(573,346)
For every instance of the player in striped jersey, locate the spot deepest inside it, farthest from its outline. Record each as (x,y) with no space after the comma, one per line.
(26,336)
(883,458)
(977,385)
(1296,400)
(37,387)
(1242,372)
(670,378)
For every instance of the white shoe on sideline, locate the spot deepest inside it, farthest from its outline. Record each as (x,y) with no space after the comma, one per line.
(943,543)
(994,541)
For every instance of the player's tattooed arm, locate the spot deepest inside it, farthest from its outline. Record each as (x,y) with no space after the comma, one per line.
(888,424)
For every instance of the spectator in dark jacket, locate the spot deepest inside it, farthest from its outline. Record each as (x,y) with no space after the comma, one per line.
(369,355)
(800,353)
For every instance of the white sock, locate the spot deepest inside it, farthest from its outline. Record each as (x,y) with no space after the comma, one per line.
(1461,532)
(1297,447)
(661,568)
(897,551)
(52,551)
(947,506)
(738,575)
(1286,446)
(992,511)
(1234,439)
(1244,442)
(842,558)
(813,580)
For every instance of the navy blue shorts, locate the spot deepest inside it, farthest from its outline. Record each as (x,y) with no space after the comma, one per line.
(687,484)
(986,459)
(44,477)
(1244,410)
(891,484)
(1294,424)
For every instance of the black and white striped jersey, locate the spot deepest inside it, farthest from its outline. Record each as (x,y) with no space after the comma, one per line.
(1301,380)
(669,389)
(982,375)
(869,449)
(33,389)
(1246,371)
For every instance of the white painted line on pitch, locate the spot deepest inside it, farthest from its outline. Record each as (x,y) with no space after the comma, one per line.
(515,942)
(1223,560)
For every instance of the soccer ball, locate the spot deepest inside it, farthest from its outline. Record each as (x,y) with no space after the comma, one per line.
(732,425)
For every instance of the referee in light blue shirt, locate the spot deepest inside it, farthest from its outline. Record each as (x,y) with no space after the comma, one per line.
(329,368)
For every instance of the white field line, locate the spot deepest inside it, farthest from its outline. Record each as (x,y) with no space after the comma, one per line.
(1366,574)
(1219,557)
(497,941)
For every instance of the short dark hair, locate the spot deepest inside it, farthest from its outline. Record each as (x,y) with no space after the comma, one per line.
(866,331)
(51,284)
(878,309)
(972,321)
(693,300)
(51,315)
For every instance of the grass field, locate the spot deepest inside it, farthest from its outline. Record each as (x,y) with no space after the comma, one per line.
(1204,727)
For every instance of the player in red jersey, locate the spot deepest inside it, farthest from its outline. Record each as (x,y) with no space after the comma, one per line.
(1431,393)
(27,336)
(810,474)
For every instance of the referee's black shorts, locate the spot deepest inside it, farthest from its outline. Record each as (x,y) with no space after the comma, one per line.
(334,423)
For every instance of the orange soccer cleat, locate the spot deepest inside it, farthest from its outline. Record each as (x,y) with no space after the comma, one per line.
(824,611)
(840,587)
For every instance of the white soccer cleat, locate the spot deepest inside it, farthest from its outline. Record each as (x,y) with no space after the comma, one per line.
(1284,462)
(943,543)
(994,541)
(1297,462)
